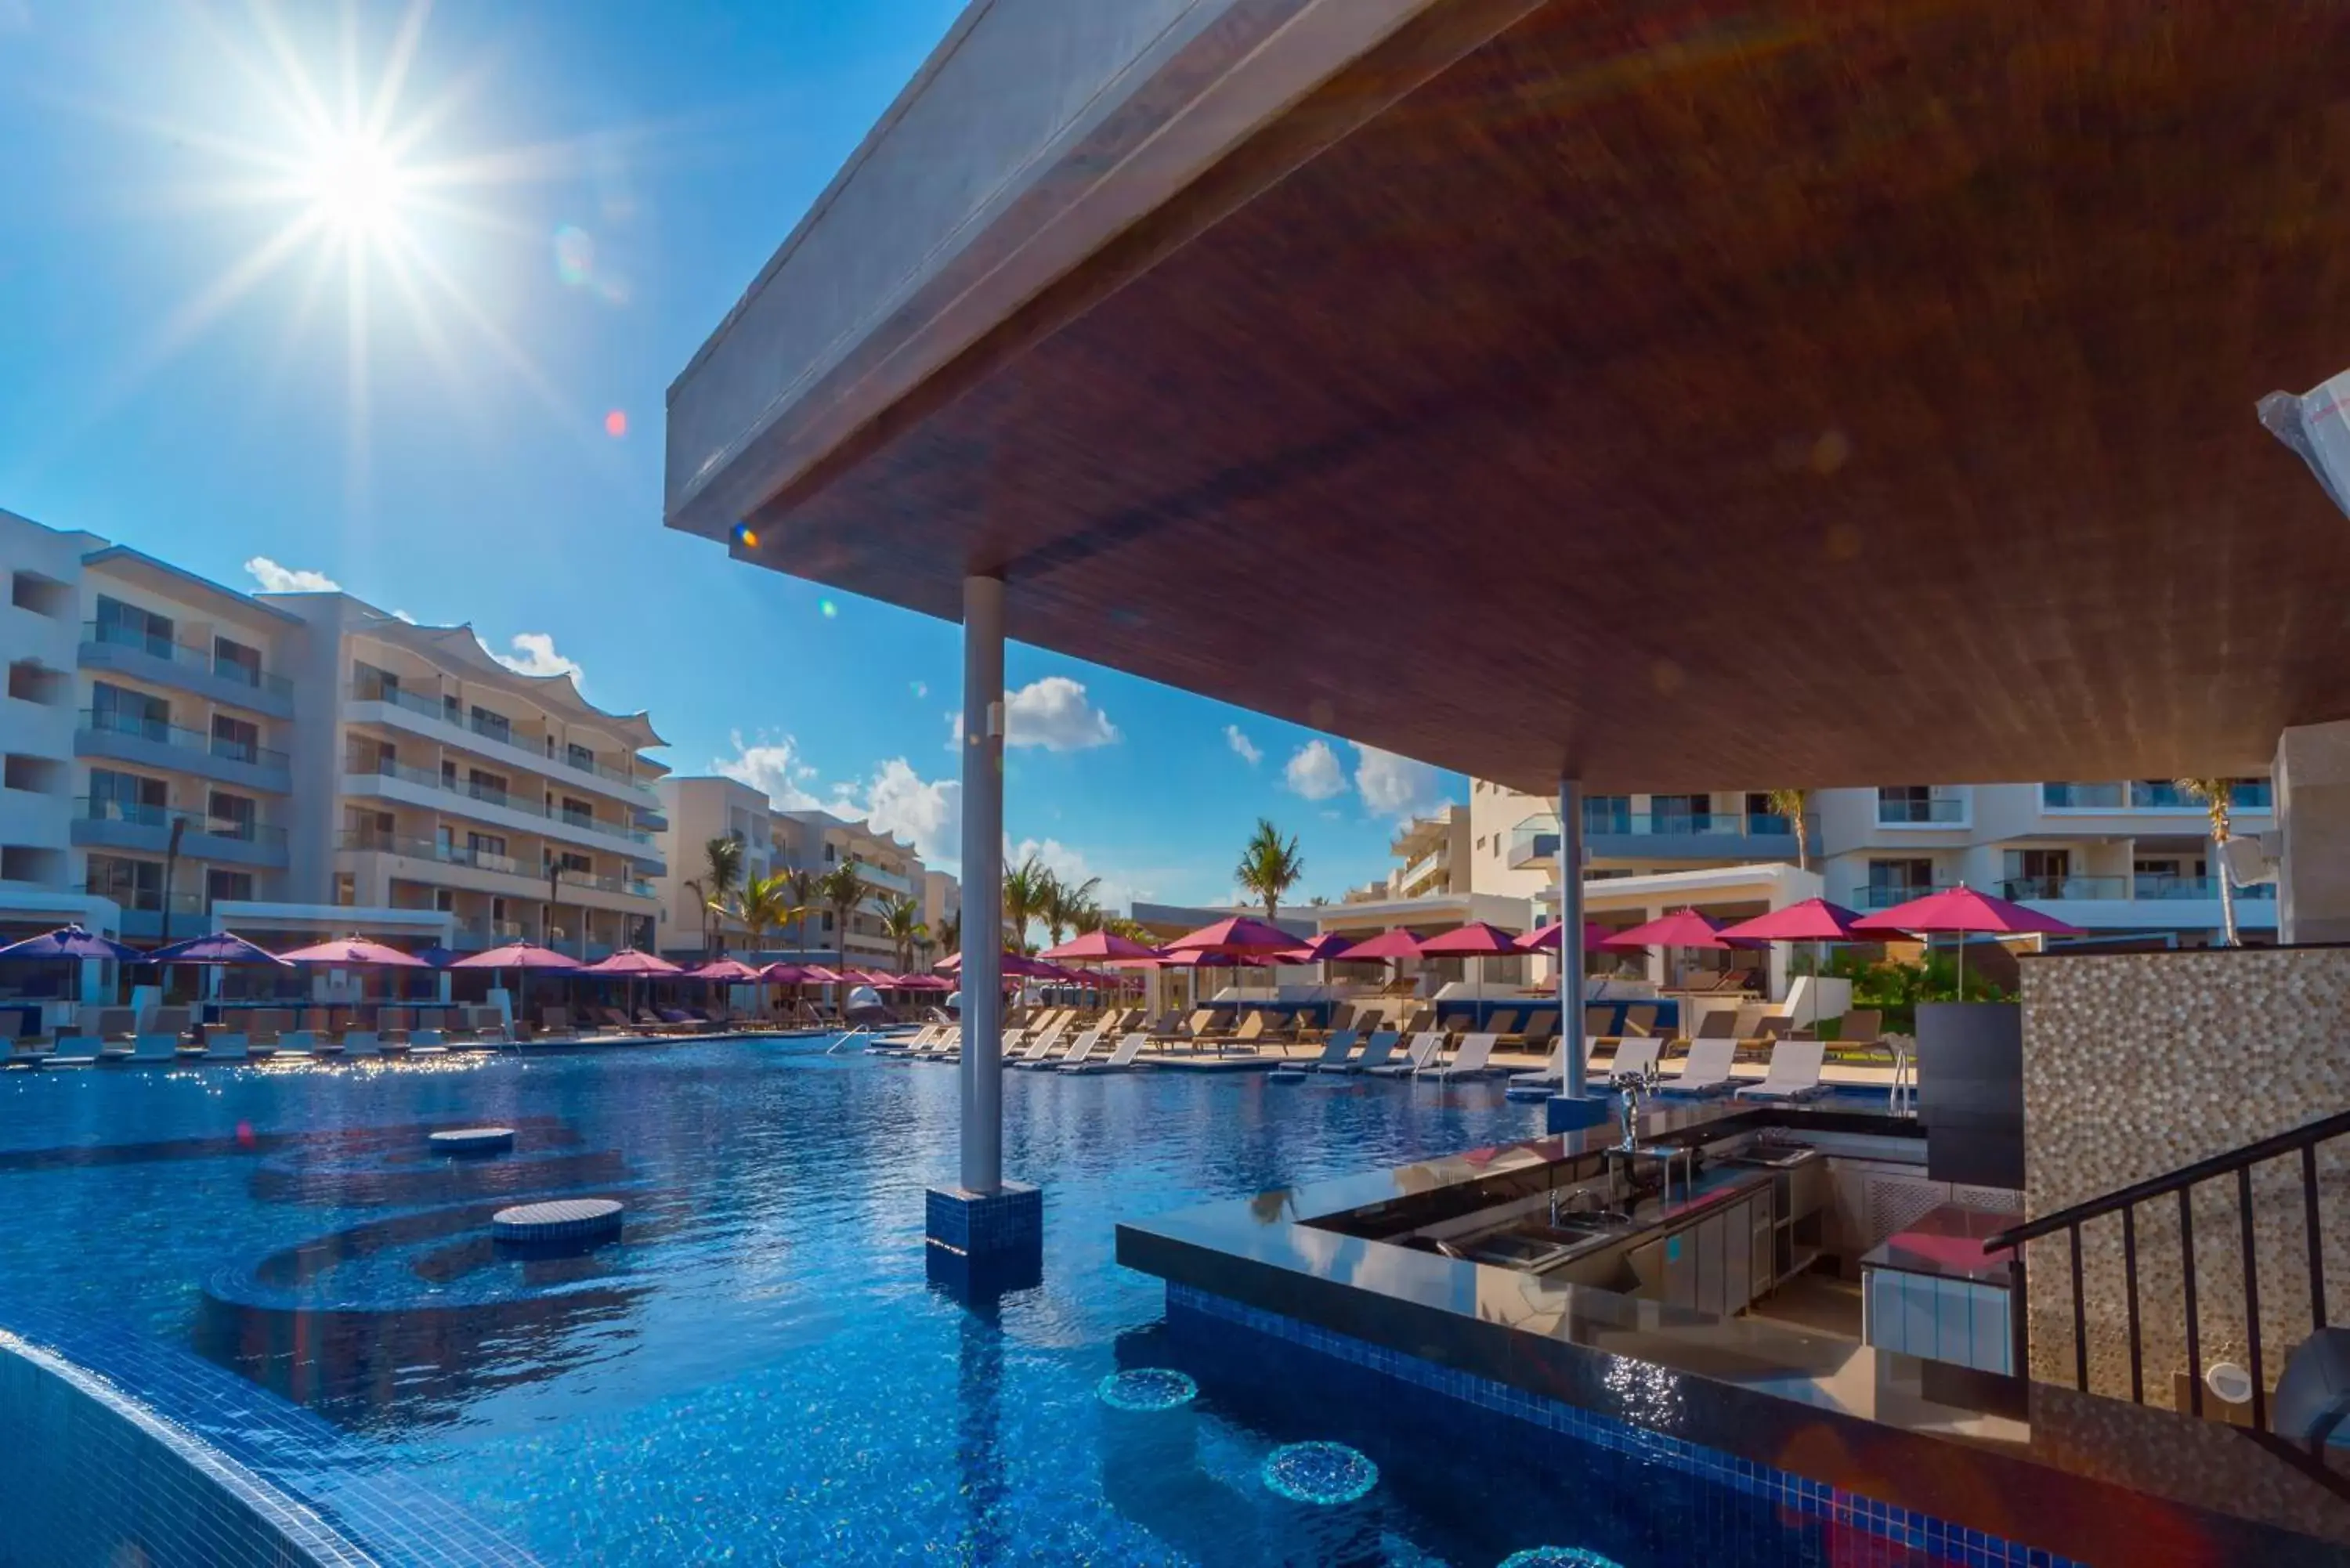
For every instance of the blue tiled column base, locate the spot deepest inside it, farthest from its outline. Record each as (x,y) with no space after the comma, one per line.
(987,1225)
(1799,1494)
(1561,1114)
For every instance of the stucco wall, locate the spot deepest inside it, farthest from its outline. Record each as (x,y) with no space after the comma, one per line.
(2137,1064)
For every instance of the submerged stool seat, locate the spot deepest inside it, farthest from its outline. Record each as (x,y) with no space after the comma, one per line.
(565,1220)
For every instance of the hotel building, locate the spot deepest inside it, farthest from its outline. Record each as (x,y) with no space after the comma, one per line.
(699,809)
(182,757)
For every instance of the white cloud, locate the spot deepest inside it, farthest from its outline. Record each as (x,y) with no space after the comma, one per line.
(1314,771)
(1396,786)
(533,654)
(773,767)
(1053,713)
(276,579)
(898,800)
(1117,891)
(1243,747)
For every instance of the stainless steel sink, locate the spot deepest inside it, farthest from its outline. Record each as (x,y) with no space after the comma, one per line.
(1774,1159)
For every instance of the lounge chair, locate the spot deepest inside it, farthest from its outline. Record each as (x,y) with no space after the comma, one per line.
(1793,1074)
(1080,1050)
(1376,1051)
(117,1029)
(160,1041)
(1118,1060)
(1542,1027)
(1640,1018)
(225,1046)
(1424,1047)
(1473,1060)
(1599,1022)
(1637,1055)
(1503,1023)
(1707,1070)
(1553,1071)
(1040,1047)
(1457,1023)
(1861,1026)
(680,1021)
(1337,1049)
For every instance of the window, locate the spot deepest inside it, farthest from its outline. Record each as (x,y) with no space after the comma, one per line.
(827,919)
(346,890)
(581,757)
(444,842)
(448,774)
(580,814)
(1680,813)
(496,726)
(444,899)
(127,625)
(127,712)
(28,682)
(232,817)
(34,775)
(236,661)
(575,864)
(125,797)
(451,710)
(42,596)
(830,854)
(491,788)
(2036,872)
(373,756)
(231,887)
(370,684)
(236,738)
(1898,881)
(481,846)
(132,884)
(1608,814)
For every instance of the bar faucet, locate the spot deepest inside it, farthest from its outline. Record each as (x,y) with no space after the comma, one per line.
(1632,1088)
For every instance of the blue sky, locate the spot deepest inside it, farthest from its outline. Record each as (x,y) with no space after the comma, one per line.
(396,303)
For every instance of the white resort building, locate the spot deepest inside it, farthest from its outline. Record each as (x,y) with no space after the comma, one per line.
(182,757)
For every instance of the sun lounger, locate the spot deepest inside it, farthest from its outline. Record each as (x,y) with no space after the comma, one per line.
(1861,1026)
(1040,1047)
(1707,1071)
(1337,1049)
(1079,1052)
(1551,1072)
(1640,1018)
(1473,1060)
(1637,1055)
(1503,1025)
(1118,1060)
(1375,1052)
(1542,1027)
(1424,1047)
(151,1048)
(1716,1025)
(1793,1074)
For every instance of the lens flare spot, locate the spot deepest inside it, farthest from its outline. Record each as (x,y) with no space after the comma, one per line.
(746,536)
(575,256)
(244,1135)
(827,609)
(616,424)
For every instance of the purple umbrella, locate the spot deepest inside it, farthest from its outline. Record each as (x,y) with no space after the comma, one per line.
(217,948)
(522,957)
(71,943)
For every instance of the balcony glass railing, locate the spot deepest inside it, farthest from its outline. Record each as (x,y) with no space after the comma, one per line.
(94,808)
(2149,794)
(203,660)
(2029,889)
(1900,811)
(427,849)
(489,796)
(2153,885)
(110,722)
(147,900)
(1885,894)
(488,729)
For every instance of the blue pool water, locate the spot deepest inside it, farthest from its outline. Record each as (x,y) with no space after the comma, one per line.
(758,1371)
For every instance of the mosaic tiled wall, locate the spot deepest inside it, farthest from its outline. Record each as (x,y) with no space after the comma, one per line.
(2136,1064)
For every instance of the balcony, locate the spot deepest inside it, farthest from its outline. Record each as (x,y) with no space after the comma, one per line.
(120,737)
(2046,889)
(2153,887)
(371,701)
(874,875)
(1886,894)
(160,661)
(1616,831)
(2139,902)
(1941,811)
(429,791)
(142,912)
(572,885)
(100,824)
(1429,868)
(2249,795)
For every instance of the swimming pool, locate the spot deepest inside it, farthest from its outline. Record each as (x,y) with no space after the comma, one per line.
(758,1370)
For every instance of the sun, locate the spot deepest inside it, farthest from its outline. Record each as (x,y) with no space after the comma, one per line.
(354,186)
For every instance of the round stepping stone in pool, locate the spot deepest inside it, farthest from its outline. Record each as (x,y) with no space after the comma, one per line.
(567,1220)
(1558,1557)
(1325,1474)
(473,1140)
(1146,1388)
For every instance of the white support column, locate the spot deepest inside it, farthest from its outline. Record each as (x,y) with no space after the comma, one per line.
(1570,939)
(983,885)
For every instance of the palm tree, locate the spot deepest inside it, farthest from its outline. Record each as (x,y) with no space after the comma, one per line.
(949,935)
(722,859)
(901,921)
(1025,893)
(1269,868)
(2213,794)
(1792,804)
(1063,903)
(840,890)
(1089,920)
(799,883)
(763,904)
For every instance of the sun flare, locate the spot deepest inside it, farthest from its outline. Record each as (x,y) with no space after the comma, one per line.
(354,186)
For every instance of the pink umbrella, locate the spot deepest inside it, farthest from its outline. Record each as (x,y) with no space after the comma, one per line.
(1546,939)
(1387,946)
(1238,935)
(724,971)
(1476,939)
(628,964)
(1961,911)
(355,954)
(783,974)
(521,957)
(816,974)
(1098,946)
(1813,920)
(1328,948)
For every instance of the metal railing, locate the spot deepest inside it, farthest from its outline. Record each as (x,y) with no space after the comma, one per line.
(489,796)
(119,723)
(1944,810)
(1885,895)
(2025,889)
(434,708)
(2147,794)
(99,808)
(365,840)
(188,656)
(2302,1142)
(148,900)
(2154,885)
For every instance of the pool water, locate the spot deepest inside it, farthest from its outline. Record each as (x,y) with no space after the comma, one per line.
(758,1370)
